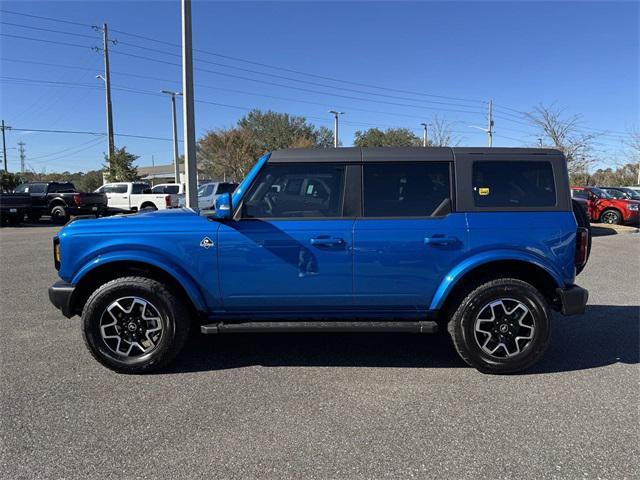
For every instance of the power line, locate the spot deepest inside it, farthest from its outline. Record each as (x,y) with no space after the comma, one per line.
(40,17)
(229,57)
(41,29)
(243,92)
(81,132)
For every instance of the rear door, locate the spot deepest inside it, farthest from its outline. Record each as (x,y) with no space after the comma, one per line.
(408,238)
(291,247)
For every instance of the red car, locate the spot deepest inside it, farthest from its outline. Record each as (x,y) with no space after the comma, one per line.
(604,208)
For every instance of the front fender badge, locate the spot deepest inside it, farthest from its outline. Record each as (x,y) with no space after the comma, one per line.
(206,243)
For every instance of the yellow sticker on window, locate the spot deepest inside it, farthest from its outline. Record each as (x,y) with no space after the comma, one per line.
(483,191)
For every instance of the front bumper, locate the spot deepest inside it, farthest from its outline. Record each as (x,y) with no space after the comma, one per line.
(573,299)
(60,294)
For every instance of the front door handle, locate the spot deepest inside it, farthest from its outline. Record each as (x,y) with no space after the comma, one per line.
(440,240)
(326,241)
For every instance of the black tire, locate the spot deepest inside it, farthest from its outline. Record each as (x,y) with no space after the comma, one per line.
(611,217)
(149,207)
(59,215)
(462,326)
(173,313)
(582,219)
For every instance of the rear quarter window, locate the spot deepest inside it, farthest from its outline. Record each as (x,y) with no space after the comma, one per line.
(513,184)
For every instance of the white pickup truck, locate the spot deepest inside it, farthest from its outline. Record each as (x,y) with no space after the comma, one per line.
(135,196)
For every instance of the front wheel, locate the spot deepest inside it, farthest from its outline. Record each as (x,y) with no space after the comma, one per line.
(134,325)
(501,326)
(611,217)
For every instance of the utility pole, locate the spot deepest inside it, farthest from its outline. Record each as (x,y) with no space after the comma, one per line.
(187,109)
(335,114)
(21,145)
(4,146)
(424,134)
(176,167)
(107,89)
(490,121)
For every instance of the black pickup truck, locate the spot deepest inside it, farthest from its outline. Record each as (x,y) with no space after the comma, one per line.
(13,208)
(60,200)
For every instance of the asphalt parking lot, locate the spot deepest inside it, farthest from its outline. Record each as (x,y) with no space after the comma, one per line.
(339,406)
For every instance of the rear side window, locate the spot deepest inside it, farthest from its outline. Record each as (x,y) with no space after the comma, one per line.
(513,184)
(140,188)
(296,191)
(118,188)
(418,189)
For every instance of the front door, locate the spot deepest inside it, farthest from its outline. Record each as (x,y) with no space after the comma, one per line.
(290,248)
(408,238)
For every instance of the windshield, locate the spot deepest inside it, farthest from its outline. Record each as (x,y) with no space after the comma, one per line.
(244,184)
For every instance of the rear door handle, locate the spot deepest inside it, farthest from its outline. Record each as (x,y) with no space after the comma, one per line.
(326,241)
(440,240)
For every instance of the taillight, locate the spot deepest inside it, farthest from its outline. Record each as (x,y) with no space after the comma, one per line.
(167,201)
(56,253)
(582,247)
(76,199)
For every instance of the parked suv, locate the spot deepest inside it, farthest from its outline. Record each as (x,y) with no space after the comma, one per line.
(482,243)
(604,208)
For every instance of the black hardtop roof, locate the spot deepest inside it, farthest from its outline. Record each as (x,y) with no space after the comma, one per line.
(399,154)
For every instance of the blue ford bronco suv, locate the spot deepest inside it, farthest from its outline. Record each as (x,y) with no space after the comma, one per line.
(482,243)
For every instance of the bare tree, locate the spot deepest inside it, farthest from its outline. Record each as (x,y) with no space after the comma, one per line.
(633,145)
(441,133)
(563,132)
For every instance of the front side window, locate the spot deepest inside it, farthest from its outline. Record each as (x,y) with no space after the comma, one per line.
(419,189)
(205,190)
(513,184)
(226,188)
(290,191)
(36,188)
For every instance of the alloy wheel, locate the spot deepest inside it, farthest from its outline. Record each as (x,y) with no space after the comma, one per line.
(504,328)
(131,326)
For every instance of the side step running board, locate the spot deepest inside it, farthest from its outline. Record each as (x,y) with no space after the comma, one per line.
(363,326)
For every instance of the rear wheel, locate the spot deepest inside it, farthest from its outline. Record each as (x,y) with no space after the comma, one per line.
(59,215)
(134,325)
(501,326)
(611,217)
(150,207)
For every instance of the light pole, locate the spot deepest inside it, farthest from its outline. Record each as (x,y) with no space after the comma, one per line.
(488,131)
(424,134)
(188,109)
(335,114)
(176,167)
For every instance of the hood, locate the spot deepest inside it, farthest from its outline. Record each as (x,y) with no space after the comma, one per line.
(181,219)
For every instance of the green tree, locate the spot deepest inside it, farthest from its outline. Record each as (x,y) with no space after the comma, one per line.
(88,182)
(392,137)
(227,153)
(272,130)
(9,181)
(121,168)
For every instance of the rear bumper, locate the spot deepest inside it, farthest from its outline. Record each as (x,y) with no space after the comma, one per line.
(60,294)
(84,210)
(573,299)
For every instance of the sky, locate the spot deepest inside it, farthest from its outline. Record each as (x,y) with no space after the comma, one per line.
(385,64)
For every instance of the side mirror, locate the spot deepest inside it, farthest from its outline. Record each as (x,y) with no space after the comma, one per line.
(224,207)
